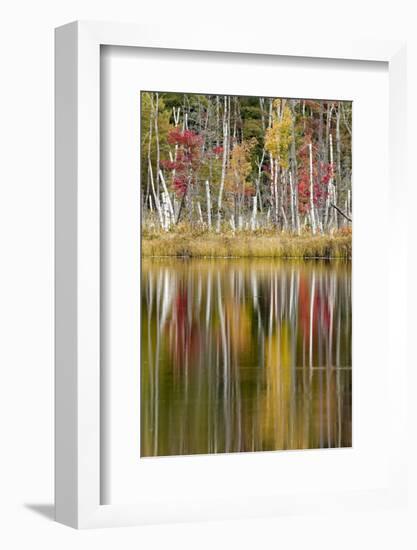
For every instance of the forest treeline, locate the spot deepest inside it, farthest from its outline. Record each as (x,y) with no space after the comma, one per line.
(231,163)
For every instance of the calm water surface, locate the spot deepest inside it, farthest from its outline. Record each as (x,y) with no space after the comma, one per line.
(245,355)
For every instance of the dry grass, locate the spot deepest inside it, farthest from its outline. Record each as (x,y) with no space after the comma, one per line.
(245,244)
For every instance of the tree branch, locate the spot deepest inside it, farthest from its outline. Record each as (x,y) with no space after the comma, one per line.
(341,212)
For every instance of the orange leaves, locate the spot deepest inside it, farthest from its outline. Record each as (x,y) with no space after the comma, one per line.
(240,168)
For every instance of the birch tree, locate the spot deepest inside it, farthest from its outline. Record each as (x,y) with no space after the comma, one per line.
(224,162)
(229,162)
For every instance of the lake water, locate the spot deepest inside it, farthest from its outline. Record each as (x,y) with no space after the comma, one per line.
(245,355)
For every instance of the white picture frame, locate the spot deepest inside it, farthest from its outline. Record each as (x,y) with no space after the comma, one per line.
(78,406)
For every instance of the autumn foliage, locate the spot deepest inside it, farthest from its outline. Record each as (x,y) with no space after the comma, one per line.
(187,159)
(220,162)
(321,182)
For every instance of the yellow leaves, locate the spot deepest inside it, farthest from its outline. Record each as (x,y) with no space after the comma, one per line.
(240,166)
(278,136)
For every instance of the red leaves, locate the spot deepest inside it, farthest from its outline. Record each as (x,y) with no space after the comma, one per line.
(186,138)
(180,185)
(303,191)
(168,164)
(320,186)
(218,150)
(327,171)
(187,158)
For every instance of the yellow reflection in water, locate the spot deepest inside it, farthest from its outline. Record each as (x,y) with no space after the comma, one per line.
(244,355)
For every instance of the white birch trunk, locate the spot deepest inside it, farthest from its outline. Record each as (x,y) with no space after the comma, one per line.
(276,190)
(156,199)
(168,198)
(349,205)
(292,203)
(150,171)
(200,213)
(208,204)
(157,142)
(312,214)
(284,219)
(224,160)
(254,212)
(176,113)
(166,213)
(329,214)
(338,186)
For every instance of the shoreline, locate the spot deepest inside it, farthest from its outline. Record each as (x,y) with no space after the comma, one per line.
(212,245)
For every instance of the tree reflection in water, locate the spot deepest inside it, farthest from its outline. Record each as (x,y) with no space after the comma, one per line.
(245,355)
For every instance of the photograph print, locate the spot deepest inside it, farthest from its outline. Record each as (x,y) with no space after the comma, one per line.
(246,246)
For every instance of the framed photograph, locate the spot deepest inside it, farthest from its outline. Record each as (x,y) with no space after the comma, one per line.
(228,341)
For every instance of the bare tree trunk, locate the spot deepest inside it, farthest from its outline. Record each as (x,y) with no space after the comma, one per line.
(292,205)
(312,214)
(328,126)
(293,173)
(176,113)
(150,172)
(200,213)
(338,161)
(157,141)
(349,199)
(254,211)
(228,140)
(341,212)
(224,160)
(348,128)
(232,223)
(217,120)
(321,207)
(262,107)
(208,204)
(165,210)
(183,198)
(168,198)
(258,180)
(331,190)
(276,205)
(234,117)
